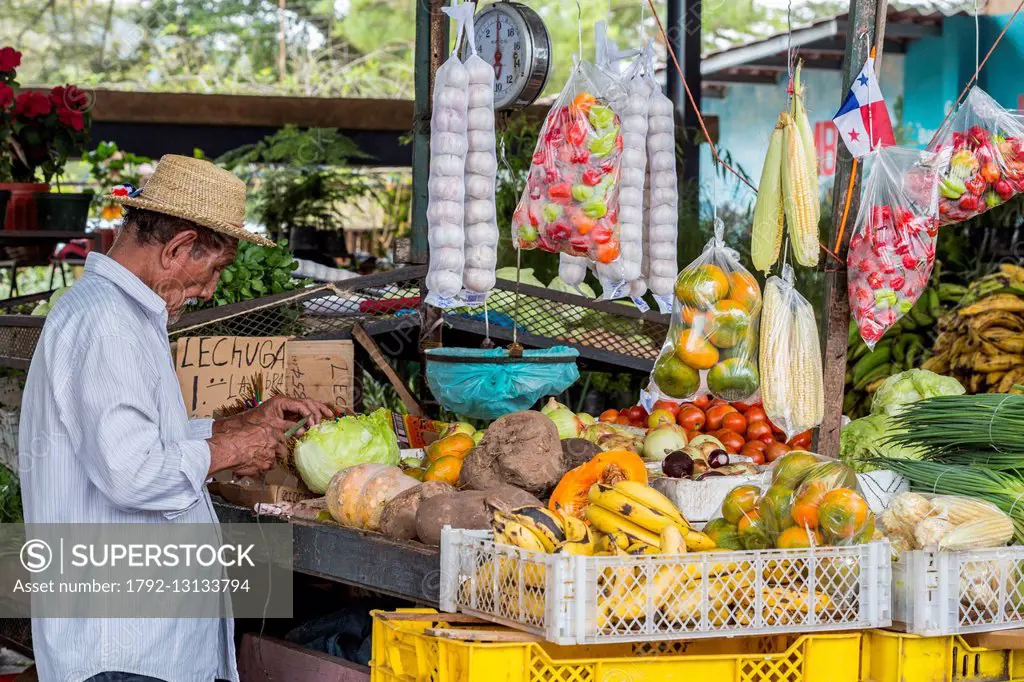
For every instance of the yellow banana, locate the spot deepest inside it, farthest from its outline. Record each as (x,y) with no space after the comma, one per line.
(544,523)
(610,522)
(698,542)
(613,500)
(996,363)
(579,539)
(672,541)
(999,302)
(1012,344)
(652,499)
(515,533)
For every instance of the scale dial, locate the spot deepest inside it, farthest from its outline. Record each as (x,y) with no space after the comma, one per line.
(512,38)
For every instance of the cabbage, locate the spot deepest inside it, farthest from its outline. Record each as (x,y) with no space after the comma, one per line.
(558,284)
(908,387)
(43,308)
(866,438)
(331,446)
(525,276)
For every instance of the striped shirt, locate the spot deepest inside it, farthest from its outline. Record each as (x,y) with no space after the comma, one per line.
(105,438)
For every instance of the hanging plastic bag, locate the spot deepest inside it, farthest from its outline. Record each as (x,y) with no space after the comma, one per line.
(617,277)
(892,251)
(792,383)
(711,346)
(570,203)
(572,269)
(446,186)
(481,219)
(663,199)
(984,144)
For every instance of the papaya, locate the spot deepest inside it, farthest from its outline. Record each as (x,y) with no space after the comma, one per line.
(790,469)
(831,475)
(723,533)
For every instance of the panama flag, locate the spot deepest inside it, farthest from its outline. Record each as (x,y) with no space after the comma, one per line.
(863,120)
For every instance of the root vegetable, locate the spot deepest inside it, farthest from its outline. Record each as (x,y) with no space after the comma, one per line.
(468,509)
(398,520)
(520,449)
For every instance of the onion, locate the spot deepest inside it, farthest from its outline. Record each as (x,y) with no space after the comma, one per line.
(567,423)
(663,440)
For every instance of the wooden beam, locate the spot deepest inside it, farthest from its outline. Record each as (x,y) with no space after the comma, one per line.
(834,332)
(377,355)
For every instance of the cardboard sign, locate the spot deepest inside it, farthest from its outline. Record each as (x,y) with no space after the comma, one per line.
(213,371)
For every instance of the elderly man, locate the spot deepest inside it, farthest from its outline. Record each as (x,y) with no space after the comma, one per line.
(105,437)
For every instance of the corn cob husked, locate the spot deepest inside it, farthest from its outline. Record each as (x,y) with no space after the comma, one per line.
(766,232)
(994,531)
(803,124)
(792,388)
(799,202)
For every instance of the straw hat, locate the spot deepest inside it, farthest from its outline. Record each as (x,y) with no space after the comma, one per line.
(197,191)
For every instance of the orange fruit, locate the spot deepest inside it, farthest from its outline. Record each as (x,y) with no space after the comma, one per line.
(693,349)
(445,469)
(702,286)
(456,445)
(743,288)
(796,537)
(842,513)
(805,508)
(675,378)
(728,322)
(748,519)
(689,315)
(740,501)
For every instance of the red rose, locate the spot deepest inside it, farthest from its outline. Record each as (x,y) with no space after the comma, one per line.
(31,105)
(10,59)
(72,119)
(6,96)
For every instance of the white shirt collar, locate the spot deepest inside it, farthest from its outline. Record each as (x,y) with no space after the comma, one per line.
(126,281)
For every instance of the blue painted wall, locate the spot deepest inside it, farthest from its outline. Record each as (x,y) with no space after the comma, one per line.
(924,83)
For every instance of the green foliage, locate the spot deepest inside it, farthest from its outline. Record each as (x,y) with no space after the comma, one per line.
(256,271)
(10,497)
(109,166)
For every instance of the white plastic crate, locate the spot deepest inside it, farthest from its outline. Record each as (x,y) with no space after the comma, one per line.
(949,593)
(592,600)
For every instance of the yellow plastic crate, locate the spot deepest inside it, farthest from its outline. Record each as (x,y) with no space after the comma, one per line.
(404,652)
(897,657)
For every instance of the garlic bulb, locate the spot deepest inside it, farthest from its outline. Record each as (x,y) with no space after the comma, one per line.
(572,269)
(663,199)
(480,179)
(446,188)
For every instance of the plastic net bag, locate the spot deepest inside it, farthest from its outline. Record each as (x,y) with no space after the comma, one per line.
(944,523)
(570,203)
(446,187)
(792,390)
(984,145)
(711,347)
(805,500)
(617,277)
(661,266)
(481,246)
(892,251)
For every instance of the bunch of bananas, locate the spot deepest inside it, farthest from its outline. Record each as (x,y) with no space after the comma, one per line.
(904,346)
(981,341)
(627,517)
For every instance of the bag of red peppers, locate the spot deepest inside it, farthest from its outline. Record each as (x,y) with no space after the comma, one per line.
(983,144)
(570,203)
(892,250)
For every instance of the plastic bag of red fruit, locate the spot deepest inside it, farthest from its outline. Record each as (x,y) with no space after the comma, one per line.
(892,250)
(984,146)
(742,428)
(571,200)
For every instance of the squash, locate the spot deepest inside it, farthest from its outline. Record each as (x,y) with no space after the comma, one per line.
(609,467)
(356,496)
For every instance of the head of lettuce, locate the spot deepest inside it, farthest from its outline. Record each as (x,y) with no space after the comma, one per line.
(332,446)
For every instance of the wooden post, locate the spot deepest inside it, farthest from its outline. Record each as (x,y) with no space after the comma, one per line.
(431,51)
(860,36)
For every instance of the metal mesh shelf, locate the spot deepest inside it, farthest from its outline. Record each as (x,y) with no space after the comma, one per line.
(607,333)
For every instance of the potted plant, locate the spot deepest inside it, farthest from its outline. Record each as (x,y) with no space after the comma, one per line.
(16,202)
(49,128)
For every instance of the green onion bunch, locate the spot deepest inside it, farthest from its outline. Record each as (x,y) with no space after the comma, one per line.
(988,423)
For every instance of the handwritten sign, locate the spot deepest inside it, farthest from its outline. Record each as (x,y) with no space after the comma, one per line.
(321,370)
(214,371)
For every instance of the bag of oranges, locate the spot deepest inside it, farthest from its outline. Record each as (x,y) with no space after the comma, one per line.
(806,500)
(711,347)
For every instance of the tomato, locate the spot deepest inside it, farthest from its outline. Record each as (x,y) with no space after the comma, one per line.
(800,441)
(690,435)
(719,401)
(742,407)
(638,424)
(691,418)
(715,415)
(755,414)
(768,439)
(756,457)
(735,422)
(758,430)
(637,414)
(623,420)
(732,441)
(776,450)
(608,416)
(703,402)
(668,405)
(777,430)
(755,445)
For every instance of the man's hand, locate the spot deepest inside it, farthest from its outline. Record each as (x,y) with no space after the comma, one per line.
(249,443)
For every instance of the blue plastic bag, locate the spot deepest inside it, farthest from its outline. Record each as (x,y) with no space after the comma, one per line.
(485,383)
